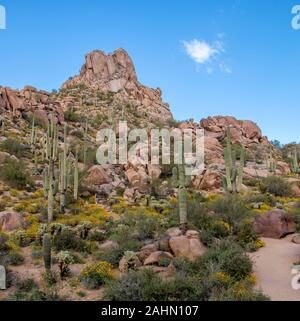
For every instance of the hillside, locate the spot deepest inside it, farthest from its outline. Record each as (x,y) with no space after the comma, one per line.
(127,222)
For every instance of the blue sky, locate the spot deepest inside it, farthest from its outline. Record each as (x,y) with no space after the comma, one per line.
(210,57)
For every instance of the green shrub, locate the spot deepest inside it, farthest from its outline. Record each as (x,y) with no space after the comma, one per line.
(64,259)
(141,285)
(3,242)
(246,234)
(231,208)
(229,258)
(15,174)
(13,147)
(114,256)
(71,116)
(15,258)
(275,185)
(94,275)
(67,239)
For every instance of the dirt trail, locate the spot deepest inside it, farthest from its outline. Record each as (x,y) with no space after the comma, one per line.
(273,269)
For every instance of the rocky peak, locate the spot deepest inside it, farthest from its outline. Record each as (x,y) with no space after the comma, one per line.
(110,72)
(116,73)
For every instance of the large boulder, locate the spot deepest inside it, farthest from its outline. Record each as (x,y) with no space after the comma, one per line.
(156,257)
(97,176)
(274,224)
(188,245)
(138,179)
(10,221)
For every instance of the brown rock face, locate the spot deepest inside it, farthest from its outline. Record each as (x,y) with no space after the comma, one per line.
(10,221)
(274,224)
(116,73)
(97,176)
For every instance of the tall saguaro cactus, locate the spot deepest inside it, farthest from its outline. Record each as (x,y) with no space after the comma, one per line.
(234,173)
(51,156)
(76,178)
(47,251)
(85,147)
(295,164)
(181,181)
(63,173)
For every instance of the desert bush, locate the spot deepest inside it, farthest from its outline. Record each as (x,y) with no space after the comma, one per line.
(13,147)
(246,236)
(141,285)
(229,258)
(71,116)
(15,174)
(3,242)
(15,258)
(94,275)
(231,208)
(275,185)
(64,259)
(127,242)
(146,226)
(67,239)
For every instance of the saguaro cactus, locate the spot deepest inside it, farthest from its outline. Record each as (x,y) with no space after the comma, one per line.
(181,181)
(234,173)
(63,168)
(33,134)
(47,251)
(295,165)
(271,163)
(76,178)
(85,148)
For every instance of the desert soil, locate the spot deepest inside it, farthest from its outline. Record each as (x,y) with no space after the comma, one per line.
(273,269)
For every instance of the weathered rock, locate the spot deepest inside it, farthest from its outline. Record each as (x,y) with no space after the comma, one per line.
(173,232)
(97,176)
(145,252)
(157,256)
(296,239)
(187,245)
(4,156)
(138,179)
(10,221)
(274,224)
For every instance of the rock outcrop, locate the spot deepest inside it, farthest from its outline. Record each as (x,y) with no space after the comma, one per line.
(31,102)
(274,224)
(116,73)
(10,221)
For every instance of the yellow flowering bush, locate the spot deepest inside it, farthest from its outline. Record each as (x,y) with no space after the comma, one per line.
(221,277)
(92,213)
(94,275)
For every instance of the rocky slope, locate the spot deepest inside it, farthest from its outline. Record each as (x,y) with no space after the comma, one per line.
(107,90)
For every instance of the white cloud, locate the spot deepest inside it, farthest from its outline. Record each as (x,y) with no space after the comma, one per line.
(207,55)
(200,51)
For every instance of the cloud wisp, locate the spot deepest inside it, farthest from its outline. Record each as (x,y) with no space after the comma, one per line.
(205,54)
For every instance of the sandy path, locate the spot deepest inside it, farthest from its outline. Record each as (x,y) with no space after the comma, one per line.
(273,269)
